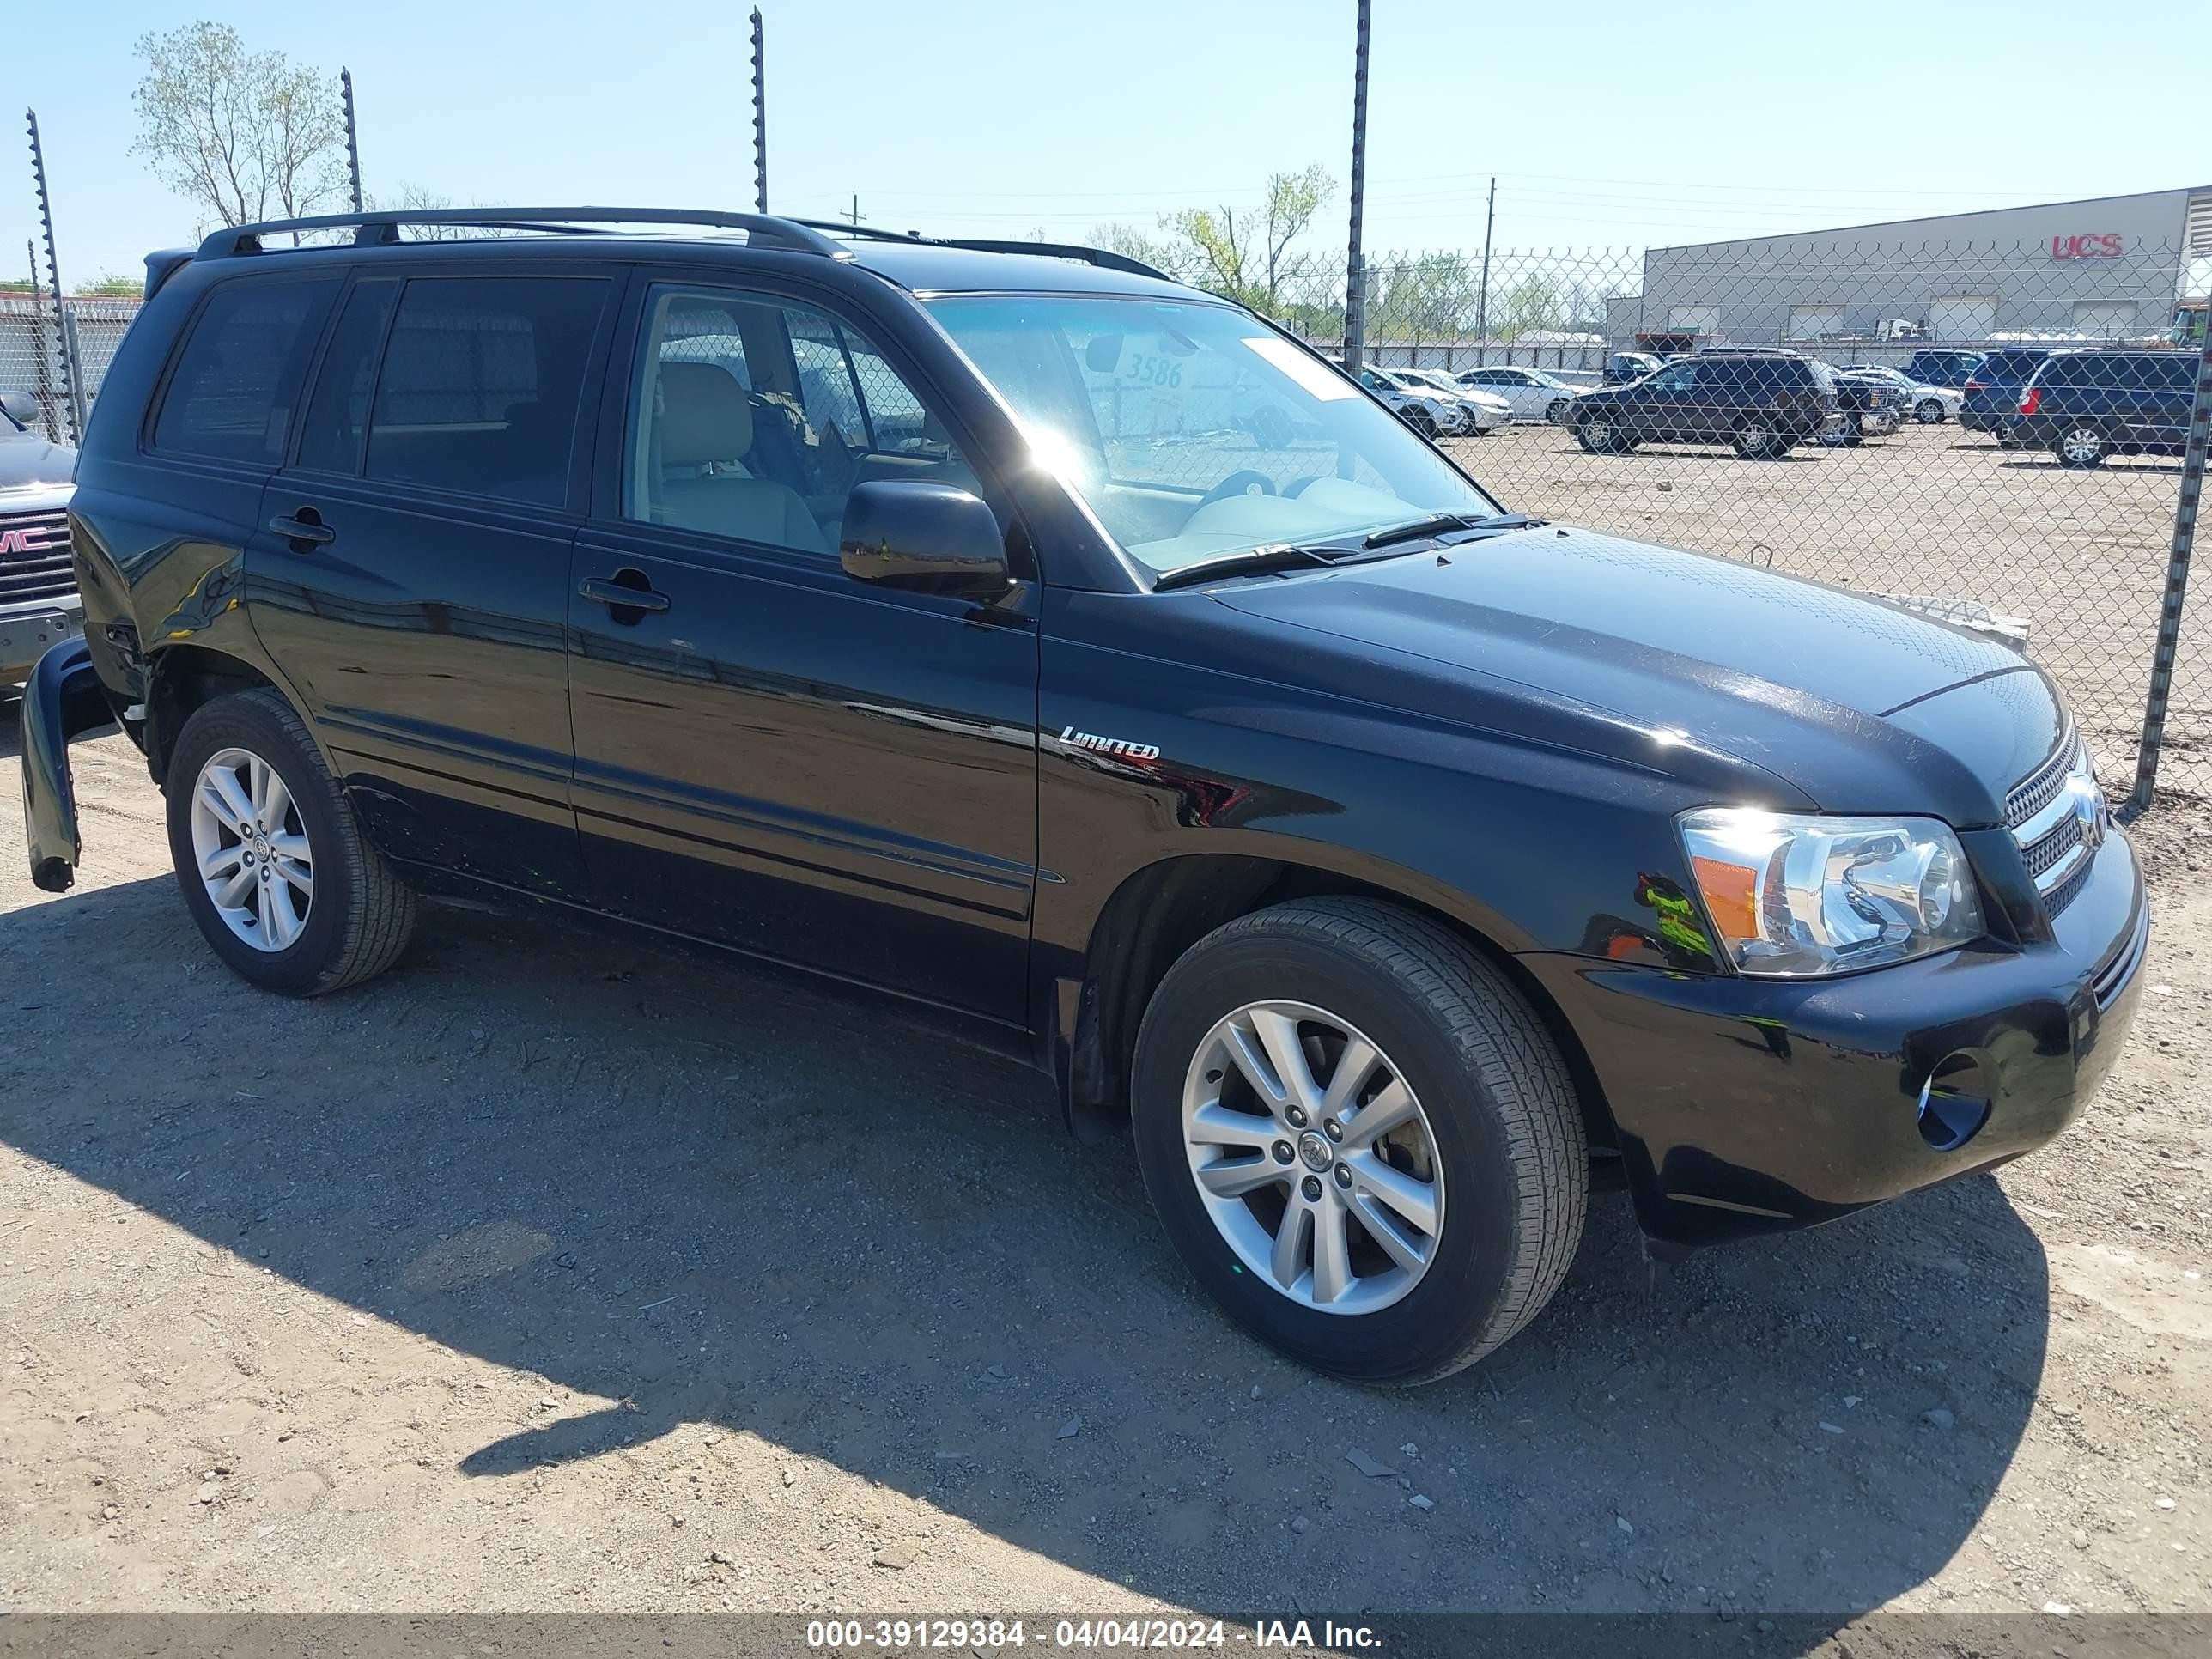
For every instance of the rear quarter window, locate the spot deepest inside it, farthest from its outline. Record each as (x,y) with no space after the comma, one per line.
(236,380)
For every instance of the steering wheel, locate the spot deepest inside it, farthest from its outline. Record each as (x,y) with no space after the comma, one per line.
(1237,484)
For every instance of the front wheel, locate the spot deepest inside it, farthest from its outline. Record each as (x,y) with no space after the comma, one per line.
(1930,412)
(1557,414)
(1360,1137)
(272,864)
(1423,422)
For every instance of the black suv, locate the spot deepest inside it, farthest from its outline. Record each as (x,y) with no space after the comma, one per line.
(1764,403)
(1937,366)
(1992,402)
(37,595)
(2084,405)
(924,615)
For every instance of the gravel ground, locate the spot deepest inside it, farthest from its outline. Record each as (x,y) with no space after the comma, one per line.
(553,1273)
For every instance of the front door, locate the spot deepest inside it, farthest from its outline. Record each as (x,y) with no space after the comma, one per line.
(1666,405)
(769,753)
(411,573)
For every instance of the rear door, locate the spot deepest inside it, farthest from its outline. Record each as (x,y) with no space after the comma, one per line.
(769,753)
(411,575)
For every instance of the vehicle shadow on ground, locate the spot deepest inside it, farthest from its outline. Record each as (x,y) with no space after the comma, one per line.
(2127,465)
(707,1195)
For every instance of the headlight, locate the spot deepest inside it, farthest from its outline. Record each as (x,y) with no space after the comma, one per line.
(1798,895)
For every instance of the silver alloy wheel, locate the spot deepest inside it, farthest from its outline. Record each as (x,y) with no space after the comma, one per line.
(1930,412)
(1759,436)
(2082,446)
(1599,433)
(250,845)
(1313,1156)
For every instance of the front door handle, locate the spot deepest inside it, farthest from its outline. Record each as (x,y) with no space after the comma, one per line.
(625,591)
(304,529)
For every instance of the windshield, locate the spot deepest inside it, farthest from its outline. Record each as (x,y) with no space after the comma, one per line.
(1193,430)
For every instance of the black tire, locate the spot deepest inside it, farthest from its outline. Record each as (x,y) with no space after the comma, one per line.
(1929,412)
(360,915)
(1506,1126)
(2080,447)
(1758,440)
(1422,422)
(1557,413)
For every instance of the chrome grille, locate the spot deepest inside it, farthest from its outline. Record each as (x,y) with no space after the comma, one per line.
(35,556)
(2057,816)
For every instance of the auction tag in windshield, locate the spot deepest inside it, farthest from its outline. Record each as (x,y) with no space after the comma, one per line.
(1312,374)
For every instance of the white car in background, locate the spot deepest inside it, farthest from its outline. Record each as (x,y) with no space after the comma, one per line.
(1489,411)
(1931,405)
(1428,412)
(1531,393)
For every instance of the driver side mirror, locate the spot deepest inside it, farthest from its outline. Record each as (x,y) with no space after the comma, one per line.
(925,537)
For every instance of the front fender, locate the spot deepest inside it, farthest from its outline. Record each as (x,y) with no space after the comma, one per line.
(63,699)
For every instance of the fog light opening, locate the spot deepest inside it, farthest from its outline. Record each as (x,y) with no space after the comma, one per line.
(1954,1102)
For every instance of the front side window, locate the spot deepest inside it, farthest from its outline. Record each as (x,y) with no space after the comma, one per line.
(753,418)
(480,384)
(1679,378)
(1192,429)
(232,394)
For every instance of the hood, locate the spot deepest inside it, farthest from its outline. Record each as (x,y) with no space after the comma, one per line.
(28,461)
(1813,685)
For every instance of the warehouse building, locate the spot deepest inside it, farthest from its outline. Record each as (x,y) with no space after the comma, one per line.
(2113,268)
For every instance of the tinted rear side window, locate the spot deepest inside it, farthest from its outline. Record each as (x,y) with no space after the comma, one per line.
(2012,365)
(232,394)
(337,409)
(480,384)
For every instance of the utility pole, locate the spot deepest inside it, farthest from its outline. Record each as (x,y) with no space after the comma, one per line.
(72,389)
(760,116)
(353,139)
(856,209)
(1482,304)
(1355,269)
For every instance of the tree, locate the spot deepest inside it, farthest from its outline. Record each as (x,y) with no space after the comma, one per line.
(416,198)
(245,135)
(1134,244)
(1293,199)
(1419,300)
(1531,304)
(1244,255)
(110,286)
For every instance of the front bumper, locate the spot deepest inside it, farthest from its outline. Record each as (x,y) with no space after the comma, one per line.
(1748,1106)
(26,630)
(62,699)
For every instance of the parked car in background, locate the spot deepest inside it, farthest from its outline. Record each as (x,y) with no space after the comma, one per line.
(39,603)
(1763,403)
(1391,867)
(1424,409)
(1930,405)
(1992,399)
(2086,406)
(1621,367)
(1872,406)
(1531,394)
(1944,367)
(1486,412)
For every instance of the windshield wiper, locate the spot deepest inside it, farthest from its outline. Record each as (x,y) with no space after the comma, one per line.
(1246,562)
(1443,522)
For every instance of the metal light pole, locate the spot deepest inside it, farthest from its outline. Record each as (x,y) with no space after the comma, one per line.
(353,138)
(1355,267)
(2193,462)
(760,116)
(1482,305)
(72,389)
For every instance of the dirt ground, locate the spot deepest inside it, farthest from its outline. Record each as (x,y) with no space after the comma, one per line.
(551,1272)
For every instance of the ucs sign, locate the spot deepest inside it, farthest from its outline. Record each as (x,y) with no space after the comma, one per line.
(2105,247)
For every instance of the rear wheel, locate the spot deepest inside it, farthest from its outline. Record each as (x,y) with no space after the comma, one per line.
(1422,422)
(1557,414)
(2082,446)
(1360,1137)
(1757,439)
(1929,412)
(271,862)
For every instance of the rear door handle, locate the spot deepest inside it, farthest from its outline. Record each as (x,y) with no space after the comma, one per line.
(307,527)
(620,596)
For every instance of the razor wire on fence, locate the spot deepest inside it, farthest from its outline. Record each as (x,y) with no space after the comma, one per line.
(1995,434)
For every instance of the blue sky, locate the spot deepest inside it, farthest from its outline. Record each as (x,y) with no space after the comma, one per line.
(1607,124)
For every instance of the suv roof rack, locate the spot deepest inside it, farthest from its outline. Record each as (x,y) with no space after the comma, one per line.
(381,226)
(1105,259)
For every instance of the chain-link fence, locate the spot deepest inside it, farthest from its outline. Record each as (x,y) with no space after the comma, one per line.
(1995,431)
(30,362)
